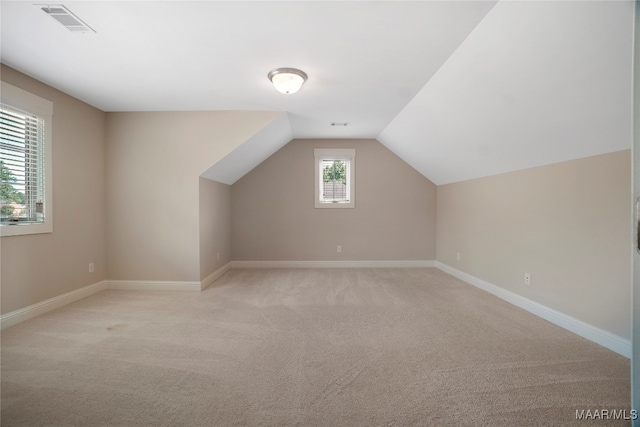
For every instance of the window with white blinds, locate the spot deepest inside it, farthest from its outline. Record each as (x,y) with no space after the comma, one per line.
(335,178)
(25,162)
(22,186)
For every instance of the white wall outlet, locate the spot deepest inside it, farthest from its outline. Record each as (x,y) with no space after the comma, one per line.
(91,267)
(339,249)
(458,256)
(527,279)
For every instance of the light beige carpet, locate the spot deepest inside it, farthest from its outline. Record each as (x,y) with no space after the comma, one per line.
(307,347)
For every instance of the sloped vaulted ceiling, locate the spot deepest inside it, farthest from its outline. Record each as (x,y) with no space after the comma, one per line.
(457,89)
(535,83)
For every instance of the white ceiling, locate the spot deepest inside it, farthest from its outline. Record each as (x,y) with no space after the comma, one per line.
(457,89)
(535,83)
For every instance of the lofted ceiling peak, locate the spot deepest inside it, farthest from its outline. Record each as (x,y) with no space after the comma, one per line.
(457,89)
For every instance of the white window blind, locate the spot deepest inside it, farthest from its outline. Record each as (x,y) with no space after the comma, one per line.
(22,166)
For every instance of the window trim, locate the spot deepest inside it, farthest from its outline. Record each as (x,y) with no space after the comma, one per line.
(349,154)
(26,101)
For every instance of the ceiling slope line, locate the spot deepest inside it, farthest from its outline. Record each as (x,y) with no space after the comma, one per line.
(453,52)
(252,152)
(534,84)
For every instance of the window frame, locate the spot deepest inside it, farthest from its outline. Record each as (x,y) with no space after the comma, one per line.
(20,99)
(348,154)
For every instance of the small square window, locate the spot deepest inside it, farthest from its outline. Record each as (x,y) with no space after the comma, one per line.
(335,178)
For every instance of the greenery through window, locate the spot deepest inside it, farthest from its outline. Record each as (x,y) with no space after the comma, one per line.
(335,177)
(10,197)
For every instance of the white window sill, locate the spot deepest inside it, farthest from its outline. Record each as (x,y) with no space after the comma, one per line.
(328,205)
(7,230)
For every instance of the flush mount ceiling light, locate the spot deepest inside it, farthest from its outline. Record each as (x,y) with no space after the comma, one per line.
(287,80)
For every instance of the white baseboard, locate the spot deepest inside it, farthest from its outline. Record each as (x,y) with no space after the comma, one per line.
(204,283)
(599,336)
(333,264)
(33,310)
(149,285)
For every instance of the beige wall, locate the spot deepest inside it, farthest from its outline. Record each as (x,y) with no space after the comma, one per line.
(128,197)
(38,267)
(215,226)
(566,224)
(273,214)
(154,160)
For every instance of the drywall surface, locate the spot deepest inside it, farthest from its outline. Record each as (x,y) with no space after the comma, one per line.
(215,226)
(565,224)
(274,215)
(37,267)
(154,161)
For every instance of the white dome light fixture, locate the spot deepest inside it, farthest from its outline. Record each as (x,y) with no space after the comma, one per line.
(287,80)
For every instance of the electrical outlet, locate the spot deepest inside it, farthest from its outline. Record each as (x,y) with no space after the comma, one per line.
(527,279)
(91,267)
(458,256)
(339,249)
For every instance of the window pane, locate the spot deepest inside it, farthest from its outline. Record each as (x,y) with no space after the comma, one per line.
(21,166)
(334,180)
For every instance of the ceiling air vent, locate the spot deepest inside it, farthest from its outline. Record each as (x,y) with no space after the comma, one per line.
(340,124)
(64,16)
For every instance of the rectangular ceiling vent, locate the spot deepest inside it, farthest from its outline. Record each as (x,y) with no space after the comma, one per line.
(64,16)
(340,124)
